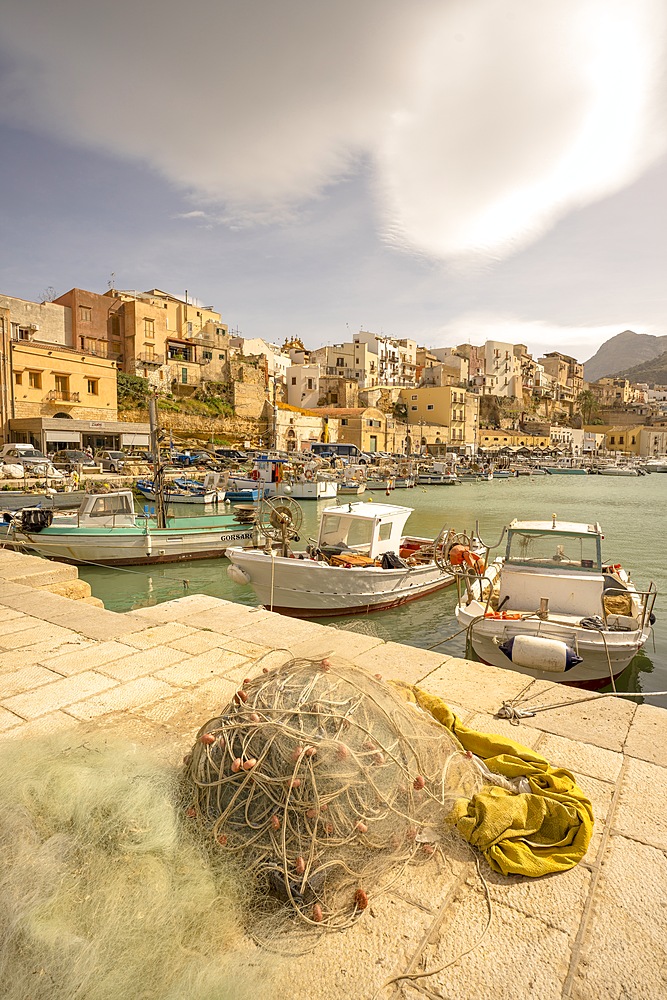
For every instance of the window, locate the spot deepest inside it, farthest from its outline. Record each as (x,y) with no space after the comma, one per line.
(35,380)
(340,362)
(310,383)
(413,408)
(633,440)
(612,440)
(221,357)
(384,532)
(293,380)
(62,383)
(344,422)
(93,386)
(413,397)
(149,328)
(85,314)
(110,505)
(18,378)
(184,375)
(189,328)
(208,355)
(20,332)
(82,343)
(621,439)
(429,406)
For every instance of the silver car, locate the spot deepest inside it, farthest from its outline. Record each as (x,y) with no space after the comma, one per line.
(111,461)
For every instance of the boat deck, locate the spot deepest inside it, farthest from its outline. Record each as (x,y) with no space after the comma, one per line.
(155,674)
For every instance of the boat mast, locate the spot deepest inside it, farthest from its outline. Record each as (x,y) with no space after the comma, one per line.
(158,470)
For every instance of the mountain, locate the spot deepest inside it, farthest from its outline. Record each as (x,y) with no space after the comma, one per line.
(624,351)
(651,371)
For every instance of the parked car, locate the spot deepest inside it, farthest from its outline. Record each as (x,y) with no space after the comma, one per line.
(33,461)
(70,459)
(231,453)
(111,461)
(187,458)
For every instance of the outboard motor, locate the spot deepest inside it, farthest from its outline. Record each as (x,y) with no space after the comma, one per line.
(35,519)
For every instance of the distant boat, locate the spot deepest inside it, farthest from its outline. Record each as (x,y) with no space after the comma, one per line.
(565,470)
(178,493)
(618,470)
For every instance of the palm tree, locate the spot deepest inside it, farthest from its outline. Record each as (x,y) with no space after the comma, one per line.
(587,404)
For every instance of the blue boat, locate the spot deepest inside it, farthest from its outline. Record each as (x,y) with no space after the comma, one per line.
(244,496)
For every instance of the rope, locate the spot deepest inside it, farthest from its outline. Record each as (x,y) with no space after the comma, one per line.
(508,709)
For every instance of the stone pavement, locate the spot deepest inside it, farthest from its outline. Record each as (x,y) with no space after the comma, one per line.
(156,674)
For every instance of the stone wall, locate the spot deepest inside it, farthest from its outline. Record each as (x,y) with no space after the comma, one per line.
(237,429)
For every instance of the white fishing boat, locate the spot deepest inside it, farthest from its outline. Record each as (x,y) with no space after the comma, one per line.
(360,562)
(351,488)
(107,530)
(618,470)
(179,491)
(553,610)
(275,477)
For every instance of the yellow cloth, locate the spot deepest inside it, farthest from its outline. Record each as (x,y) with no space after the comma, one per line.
(546,830)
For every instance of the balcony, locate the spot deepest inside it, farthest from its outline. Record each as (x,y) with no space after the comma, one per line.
(149,358)
(62,396)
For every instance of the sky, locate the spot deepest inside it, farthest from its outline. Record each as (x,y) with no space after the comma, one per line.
(446,170)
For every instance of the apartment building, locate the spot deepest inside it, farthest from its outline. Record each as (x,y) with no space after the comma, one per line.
(567,376)
(396,358)
(303,386)
(350,360)
(442,405)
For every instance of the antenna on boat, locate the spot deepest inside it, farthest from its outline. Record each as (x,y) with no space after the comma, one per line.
(158,470)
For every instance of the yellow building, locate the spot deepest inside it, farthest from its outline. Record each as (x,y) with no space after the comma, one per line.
(444,405)
(492,439)
(623,439)
(62,398)
(49,380)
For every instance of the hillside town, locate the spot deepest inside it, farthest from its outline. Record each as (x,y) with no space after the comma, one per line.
(77,370)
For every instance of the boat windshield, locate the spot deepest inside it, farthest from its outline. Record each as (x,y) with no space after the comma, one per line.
(346,532)
(551,550)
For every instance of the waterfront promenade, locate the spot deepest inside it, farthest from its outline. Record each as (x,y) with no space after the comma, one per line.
(156,674)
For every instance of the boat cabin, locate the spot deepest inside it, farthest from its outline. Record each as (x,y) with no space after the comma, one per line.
(369,529)
(560,561)
(107,510)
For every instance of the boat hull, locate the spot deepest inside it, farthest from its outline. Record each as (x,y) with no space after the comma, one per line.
(306,588)
(603,654)
(128,547)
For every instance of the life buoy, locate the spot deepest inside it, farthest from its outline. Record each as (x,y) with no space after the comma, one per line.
(254,474)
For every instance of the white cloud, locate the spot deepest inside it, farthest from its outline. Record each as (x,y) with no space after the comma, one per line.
(483,121)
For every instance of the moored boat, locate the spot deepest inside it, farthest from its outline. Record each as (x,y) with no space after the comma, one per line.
(553,610)
(360,562)
(107,530)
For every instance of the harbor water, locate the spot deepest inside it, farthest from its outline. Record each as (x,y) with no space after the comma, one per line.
(631,511)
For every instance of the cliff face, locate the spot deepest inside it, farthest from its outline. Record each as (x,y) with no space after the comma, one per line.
(622,352)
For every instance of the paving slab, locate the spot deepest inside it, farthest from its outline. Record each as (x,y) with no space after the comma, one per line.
(582,758)
(45,725)
(401,663)
(476,686)
(194,670)
(142,662)
(8,720)
(184,607)
(25,679)
(122,697)
(647,738)
(640,813)
(624,955)
(87,657)
(58,694)
(158,635)
(586,717)
(37,634)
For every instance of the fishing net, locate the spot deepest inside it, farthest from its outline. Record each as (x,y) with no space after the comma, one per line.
(324,783)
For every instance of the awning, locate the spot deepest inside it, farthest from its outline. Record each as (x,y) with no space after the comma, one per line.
(71,437)
(142,440)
